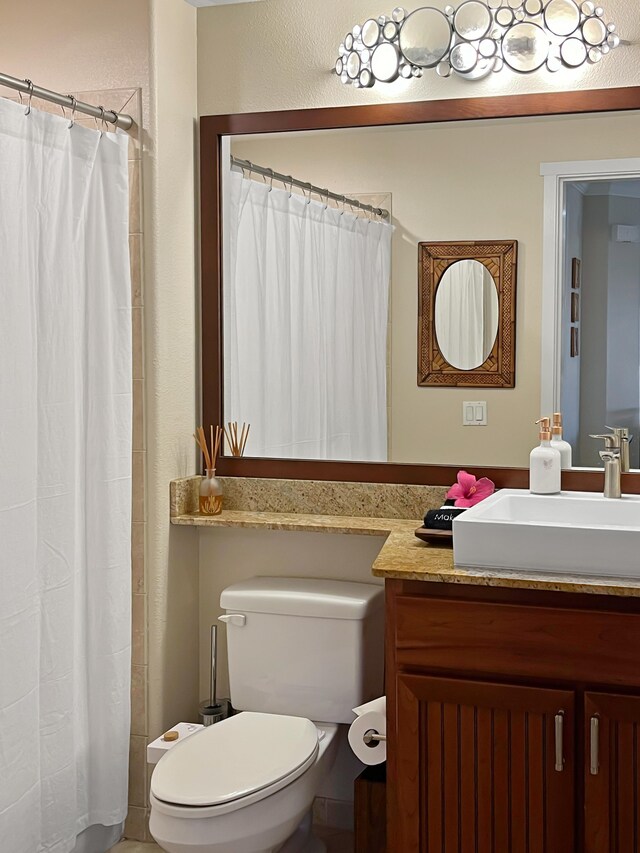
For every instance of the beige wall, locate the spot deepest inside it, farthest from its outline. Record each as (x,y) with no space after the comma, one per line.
(171,362)
(278,55)
(472,181)
(70,46)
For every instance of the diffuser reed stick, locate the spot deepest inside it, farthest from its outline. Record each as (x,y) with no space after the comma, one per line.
(210,456)
(237,443)
(216,444)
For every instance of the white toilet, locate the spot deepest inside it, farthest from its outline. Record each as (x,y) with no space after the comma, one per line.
(300,650)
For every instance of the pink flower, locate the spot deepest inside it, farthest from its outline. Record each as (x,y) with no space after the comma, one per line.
(468,491)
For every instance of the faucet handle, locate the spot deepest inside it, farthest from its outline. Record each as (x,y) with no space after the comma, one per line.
(622,433)
(611,440)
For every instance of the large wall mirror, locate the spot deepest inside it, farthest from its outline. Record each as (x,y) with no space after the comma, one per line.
(313,264)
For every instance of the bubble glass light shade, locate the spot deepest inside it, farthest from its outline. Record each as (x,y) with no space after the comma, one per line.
(474,38)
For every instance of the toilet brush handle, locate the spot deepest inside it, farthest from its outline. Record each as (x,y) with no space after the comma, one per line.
(214,652)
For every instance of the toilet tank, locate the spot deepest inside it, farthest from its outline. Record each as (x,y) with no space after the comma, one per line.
(305,647)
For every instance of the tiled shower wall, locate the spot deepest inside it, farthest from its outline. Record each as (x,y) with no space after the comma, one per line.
(130,101)
(137,818)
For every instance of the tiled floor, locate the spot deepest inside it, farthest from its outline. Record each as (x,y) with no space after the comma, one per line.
(337,841)
(135,847)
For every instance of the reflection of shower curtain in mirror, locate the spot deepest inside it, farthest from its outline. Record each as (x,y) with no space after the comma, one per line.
(466,315)
(306,294)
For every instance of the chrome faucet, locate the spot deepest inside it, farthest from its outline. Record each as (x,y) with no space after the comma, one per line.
(625,441)
(612,458)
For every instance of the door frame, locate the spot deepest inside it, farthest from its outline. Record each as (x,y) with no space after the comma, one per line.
(556,177)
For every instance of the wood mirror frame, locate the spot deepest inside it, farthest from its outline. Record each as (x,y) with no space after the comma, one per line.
(214,128)
(500,257)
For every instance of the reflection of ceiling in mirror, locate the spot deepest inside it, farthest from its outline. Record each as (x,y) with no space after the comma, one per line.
(623,188)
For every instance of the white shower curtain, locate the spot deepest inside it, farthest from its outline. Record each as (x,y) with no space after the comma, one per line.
(466,314)
(306,292)
(65,487)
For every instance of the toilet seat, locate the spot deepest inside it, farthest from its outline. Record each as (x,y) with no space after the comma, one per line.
(236,762)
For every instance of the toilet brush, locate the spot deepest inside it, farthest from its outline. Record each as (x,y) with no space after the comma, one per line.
(213,710)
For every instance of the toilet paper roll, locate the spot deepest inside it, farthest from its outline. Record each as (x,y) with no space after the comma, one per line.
(370,717)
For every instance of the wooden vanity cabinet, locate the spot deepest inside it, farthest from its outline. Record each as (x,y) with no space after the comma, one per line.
(612,773)
(514,721)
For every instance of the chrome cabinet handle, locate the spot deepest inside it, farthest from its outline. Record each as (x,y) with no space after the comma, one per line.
(594,746)
(559,732)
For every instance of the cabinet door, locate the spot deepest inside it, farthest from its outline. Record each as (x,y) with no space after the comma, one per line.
(612,773)
(483,768)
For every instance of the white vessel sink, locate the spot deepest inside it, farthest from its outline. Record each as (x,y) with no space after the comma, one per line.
(576,533)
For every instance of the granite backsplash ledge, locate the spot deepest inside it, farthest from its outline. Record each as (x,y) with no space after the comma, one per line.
(313,497)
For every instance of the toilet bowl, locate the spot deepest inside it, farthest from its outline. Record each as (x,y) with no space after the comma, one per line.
(245,785)
(299,649)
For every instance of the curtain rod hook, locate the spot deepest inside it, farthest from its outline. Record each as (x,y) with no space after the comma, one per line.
(74,106)
(271,181)
(326,198)
(102,119)
(290,185)
(310,192)
(30,85)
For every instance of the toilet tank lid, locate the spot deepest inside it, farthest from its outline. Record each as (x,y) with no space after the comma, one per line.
(327,599)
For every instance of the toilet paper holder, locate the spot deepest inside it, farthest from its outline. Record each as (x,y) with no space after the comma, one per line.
(372,737)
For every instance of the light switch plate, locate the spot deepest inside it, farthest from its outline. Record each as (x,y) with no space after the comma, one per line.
(474,413)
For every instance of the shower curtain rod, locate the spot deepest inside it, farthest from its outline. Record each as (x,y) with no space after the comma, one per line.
(288,181)
(26,86)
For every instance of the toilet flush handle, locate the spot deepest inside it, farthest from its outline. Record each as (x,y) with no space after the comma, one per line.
(238,619)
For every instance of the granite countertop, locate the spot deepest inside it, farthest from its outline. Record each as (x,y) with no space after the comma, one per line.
(300,521)
(307,505)
(406,558)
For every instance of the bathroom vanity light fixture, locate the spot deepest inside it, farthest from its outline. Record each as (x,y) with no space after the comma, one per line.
(475,39)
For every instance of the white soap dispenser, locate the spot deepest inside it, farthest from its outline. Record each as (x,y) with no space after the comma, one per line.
(544,464)
(559,443)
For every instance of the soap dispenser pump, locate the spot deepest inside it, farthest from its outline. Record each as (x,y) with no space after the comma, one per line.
(559,443)
(545,464)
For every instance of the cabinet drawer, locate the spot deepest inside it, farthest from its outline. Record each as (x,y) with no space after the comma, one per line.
(503,639)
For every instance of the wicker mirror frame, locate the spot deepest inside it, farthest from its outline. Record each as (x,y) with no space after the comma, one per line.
(499,368)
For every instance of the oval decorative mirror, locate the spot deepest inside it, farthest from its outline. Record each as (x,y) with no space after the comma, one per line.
(466,314)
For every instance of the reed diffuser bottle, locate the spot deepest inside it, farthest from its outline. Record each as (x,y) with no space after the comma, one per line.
(210,494)
(210,502)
